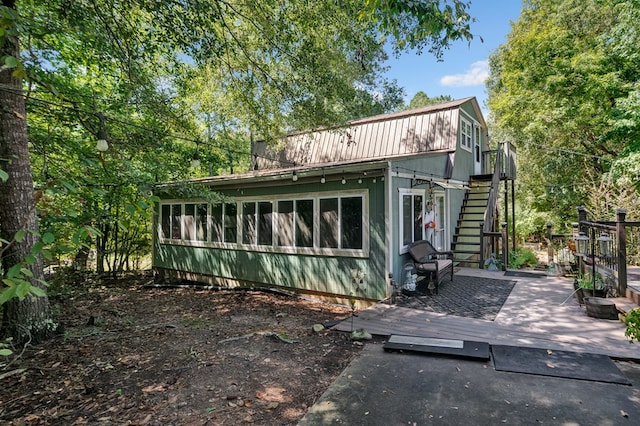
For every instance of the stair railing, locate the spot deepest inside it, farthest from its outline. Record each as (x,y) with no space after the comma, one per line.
(488,227)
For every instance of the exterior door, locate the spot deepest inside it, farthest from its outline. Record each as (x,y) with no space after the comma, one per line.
(439,235)
(477,151)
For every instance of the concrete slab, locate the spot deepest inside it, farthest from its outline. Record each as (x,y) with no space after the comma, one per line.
(389,389)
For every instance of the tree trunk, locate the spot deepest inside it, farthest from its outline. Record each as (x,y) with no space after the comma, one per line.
(28,319)
(81,259)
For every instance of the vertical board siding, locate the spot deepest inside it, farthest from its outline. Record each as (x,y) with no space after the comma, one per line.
(411,132)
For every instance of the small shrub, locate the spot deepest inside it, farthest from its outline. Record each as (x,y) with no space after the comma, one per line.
(522,257)
(632,319)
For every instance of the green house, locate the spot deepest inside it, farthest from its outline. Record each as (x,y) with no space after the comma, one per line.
(330,213)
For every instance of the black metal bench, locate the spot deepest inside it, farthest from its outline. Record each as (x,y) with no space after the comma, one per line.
(432,263)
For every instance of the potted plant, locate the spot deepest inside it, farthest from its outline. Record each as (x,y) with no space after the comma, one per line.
(584,287)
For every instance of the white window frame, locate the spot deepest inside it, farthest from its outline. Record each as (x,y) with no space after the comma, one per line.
(339,197)
(161,234)
(274,247)
(294,230)
(466,134)
(256,220)
(404,248)
(194,225)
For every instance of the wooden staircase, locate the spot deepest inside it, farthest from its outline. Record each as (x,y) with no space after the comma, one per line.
(466,239)
(477,236)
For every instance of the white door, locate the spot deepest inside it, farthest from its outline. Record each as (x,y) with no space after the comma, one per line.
(477,151)
(439,235)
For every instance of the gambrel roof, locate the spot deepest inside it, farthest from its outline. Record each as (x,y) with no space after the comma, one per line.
(429,129)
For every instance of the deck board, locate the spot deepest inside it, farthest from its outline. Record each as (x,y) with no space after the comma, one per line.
(533,316)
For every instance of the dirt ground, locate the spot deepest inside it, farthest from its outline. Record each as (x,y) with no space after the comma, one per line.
(133,355)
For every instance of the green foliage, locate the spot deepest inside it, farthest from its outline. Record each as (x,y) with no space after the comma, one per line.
(418,24)
(16,280)
(530,223)
(421,99)
(586,281)
(564,89)
(222,73)
(5,348)
(157,76)
(189,190)
(522,257)
(632,320)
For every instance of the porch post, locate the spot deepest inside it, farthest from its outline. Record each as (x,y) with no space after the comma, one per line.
(582,217)
(621,238)
(505,246)
(549,244)
(481,264)
(513,214)
(506,207)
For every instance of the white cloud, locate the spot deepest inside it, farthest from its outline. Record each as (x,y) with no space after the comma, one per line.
(475,76)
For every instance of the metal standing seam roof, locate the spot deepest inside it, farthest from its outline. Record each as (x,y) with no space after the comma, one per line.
(422,130)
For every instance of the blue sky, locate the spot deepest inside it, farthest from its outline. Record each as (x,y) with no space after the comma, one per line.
(465,66)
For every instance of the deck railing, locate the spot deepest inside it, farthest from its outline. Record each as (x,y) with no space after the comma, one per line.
(621,242)
(504,156)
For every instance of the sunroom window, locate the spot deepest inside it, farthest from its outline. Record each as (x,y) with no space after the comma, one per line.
(257,223)
(265,223)
(224,223)
(176,221)
(249,231)
(195,222)
(165,221)
(341,222)
(295,223)
(304,223)
(336,222)
(230,223)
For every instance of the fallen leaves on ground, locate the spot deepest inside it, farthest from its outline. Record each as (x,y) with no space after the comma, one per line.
(154,356)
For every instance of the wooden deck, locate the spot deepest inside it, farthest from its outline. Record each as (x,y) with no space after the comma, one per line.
(533,316)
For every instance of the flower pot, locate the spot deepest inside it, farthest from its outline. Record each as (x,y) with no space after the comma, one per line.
(599,307)
(581,293)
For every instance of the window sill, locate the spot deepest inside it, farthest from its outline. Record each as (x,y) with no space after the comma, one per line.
(364,253)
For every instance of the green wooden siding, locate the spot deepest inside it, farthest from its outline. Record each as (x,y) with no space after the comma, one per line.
(318,273)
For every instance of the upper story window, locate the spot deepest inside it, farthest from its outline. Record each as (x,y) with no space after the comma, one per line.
(466,134)
(477,153)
